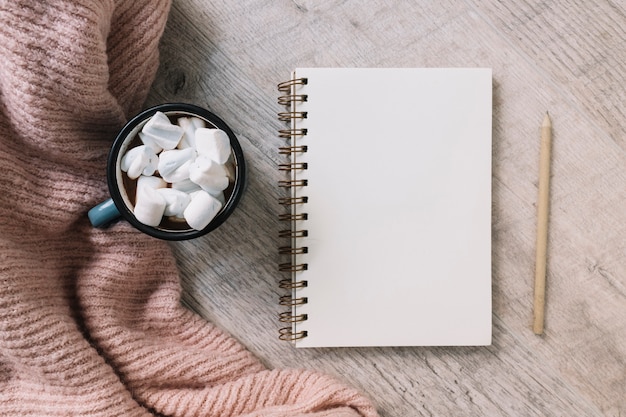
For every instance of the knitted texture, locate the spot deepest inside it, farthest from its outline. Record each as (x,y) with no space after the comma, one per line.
(90,320)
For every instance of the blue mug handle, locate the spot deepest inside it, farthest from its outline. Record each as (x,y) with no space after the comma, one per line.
(104,213)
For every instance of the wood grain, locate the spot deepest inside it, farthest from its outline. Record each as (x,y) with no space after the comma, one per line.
(566,56)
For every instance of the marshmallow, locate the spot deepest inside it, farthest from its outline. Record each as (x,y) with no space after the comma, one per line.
(201,210)
(179,174)
(198,122)
(139,160)
(189,137)
(175,201)
(220,197)
(213,143)
(208,174)
(151,181)
(149,206)
(149,141)
(174,164)
(164,133)
(186,186)
(189,125)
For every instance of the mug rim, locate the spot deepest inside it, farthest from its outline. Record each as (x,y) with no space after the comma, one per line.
(116,195)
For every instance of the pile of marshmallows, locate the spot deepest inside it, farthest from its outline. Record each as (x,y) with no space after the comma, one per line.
(181,170)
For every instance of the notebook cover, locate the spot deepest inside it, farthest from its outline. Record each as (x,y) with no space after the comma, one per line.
(399,207)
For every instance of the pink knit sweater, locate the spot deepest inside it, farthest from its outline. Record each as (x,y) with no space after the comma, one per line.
(88,326)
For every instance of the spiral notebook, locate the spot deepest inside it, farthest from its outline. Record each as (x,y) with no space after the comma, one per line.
(387,193)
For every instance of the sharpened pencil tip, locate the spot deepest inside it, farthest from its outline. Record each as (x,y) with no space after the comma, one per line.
(546,120)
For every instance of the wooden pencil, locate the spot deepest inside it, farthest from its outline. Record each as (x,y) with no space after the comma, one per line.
(542,225)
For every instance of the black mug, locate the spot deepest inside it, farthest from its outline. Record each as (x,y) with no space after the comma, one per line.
(121,205)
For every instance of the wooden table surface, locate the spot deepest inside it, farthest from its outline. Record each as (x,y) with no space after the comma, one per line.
(565,56)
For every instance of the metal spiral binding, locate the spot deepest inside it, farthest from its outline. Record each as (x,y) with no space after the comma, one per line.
(290,99)
(292,183)
(287,300)
(288,250)
(288,150)
(290,115)
(290,201)
(292,166)
(288,284)
(293,217)
(287,85)
(287,317)
(287,334)
(290,133)
(289,233)
(289,267)
(286,100)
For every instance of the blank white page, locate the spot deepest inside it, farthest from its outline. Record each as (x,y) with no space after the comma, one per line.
(399,206)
